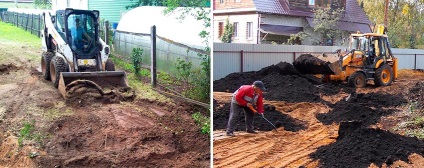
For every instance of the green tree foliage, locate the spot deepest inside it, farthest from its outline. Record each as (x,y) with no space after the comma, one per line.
(325,20)
(228,32)
(136,59)
(405,21)
(42,4)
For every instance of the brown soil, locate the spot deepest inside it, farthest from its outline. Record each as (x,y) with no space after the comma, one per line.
(90,129)
(318,109)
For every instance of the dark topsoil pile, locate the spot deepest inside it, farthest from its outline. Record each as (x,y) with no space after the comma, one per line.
(221,115)
(417,94)
(283,83)
(358,146)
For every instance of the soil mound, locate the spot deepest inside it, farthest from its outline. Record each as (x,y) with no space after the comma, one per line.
(6,68)
(283,83)
(368,108)
(222,113)
(416,94)
(308,64)
(83,94)
(357,146)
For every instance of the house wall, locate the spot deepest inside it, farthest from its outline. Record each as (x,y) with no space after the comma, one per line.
(283,20)
(63,4)
(232,4)
(242,19)
(110,10)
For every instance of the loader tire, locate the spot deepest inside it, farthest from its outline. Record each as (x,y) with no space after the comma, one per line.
(109,66)
(57,65)
(383,75)
(357,80)
(45,64)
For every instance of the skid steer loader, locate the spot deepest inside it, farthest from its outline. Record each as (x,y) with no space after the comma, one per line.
(73,51)
(369,58)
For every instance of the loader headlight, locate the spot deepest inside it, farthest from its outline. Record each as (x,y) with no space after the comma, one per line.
(107,50)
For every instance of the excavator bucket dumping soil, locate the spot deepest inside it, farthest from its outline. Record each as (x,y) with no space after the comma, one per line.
(104,81)
(325,64)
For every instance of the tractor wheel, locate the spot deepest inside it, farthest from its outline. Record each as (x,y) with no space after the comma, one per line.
(110,66)
(57,65)
(357,80)
(383,75)
(45,64)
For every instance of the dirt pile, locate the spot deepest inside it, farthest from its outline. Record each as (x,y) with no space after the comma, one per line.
(416,94)
(83,94)
(367,108)
(283,83)
(6,68)
(308,64)
(222,113)
(358,146)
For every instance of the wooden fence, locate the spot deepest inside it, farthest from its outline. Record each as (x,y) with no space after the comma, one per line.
(29,22)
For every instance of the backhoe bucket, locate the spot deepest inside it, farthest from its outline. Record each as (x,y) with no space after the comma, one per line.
(101,80)
(327,65)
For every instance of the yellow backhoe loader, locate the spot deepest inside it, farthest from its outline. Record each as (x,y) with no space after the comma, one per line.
(73,52)
(369,58)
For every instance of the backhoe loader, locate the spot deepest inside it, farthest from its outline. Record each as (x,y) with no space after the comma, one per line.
(369,58)
(73,51)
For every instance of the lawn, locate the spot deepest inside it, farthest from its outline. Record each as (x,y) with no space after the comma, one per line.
(10,33)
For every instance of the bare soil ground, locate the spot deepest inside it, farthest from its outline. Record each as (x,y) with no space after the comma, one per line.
(321,125)
(148,131)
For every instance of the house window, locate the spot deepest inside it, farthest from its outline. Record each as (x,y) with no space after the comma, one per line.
(221,1)
(249,30)
(220,29)
(236,25)
(237,1)
(312,2)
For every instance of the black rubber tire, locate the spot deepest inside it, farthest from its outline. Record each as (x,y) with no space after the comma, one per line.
(57,65)
(383,75)
(357,80)
(45,64)
(109,65)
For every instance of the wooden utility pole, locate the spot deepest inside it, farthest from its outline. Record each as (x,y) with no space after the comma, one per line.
(386,9)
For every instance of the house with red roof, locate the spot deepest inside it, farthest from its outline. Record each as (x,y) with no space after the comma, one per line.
(273,21)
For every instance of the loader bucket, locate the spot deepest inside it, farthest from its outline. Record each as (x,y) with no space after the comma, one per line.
(101,80)
(308,64)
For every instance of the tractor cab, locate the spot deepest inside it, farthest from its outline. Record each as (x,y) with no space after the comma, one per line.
(370,48)
(81,28)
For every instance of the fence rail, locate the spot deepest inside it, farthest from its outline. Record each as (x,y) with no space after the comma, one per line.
(230,58)
(29,22)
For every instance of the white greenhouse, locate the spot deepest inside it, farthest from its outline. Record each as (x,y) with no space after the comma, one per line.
(176,38)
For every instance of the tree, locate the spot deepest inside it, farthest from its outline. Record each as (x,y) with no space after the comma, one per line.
(326,20)
(405,20)
(42,4)
(228,32)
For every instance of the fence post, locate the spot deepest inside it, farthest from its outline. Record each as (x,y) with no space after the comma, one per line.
(106,29)
(415,62)
(153,55)
(39,25)
(294,56)
(241,60)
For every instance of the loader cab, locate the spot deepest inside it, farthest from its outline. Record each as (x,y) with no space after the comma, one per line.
(81,29)
(59,23)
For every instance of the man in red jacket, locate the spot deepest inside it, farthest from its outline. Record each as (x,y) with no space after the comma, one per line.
(245,97)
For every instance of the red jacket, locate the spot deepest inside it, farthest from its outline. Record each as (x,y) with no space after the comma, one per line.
(246,92)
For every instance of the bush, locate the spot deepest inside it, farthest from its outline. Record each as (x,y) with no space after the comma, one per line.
(136,59)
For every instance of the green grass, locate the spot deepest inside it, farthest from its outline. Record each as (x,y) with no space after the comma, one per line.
(11,33)
(19,5)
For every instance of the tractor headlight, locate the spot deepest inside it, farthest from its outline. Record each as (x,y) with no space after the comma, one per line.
(107,50)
